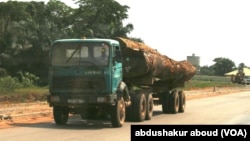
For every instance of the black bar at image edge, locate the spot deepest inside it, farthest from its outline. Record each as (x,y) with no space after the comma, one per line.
(194,132)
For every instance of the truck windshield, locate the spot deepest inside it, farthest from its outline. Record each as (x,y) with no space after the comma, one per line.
(83,54)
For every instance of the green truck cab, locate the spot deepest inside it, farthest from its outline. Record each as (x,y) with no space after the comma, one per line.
(85,76)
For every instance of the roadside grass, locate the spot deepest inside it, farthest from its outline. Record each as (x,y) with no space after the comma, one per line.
(212,78)
(203,81)
(198,84)
(24,95)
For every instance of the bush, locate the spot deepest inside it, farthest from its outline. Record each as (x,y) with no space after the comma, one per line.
(3,72)
(23,80)
(9,84)
(27,79)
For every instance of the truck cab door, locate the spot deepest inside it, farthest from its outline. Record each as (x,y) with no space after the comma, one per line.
(117,67)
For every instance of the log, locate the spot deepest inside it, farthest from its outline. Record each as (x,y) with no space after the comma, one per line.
(142,62)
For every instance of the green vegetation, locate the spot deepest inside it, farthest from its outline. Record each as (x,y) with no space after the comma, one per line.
(24,95)
(203,81)
(22,88)
(28,29)
(211,78)
(196,84)
(22,80)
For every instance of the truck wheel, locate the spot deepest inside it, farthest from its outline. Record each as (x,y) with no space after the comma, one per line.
(118,113)
(174,102)
(61,114)
(139,107)
(165,102)
(149,106)
(182,101)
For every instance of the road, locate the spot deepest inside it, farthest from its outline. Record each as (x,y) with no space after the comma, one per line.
(223,109)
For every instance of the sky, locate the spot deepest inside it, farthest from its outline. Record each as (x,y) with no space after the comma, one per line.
(179,28)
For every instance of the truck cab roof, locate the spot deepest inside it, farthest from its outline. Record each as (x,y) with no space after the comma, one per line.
(87,40)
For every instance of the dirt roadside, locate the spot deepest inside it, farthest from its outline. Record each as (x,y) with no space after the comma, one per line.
(38,112)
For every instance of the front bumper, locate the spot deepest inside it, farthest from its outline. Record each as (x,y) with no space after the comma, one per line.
(68,100)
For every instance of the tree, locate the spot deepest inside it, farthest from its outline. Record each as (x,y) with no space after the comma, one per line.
(207,70)
(11,13)
(222,66)
(27,29)
(241,66)
(101,18)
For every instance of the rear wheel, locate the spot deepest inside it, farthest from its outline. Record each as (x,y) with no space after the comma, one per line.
(149,106)
(61,114)
(174,102)
(118,113)
(139,107)
(182,104)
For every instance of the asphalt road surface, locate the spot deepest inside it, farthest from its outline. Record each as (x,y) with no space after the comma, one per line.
(224,109)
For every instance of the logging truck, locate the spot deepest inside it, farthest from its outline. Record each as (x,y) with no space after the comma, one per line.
(118,79)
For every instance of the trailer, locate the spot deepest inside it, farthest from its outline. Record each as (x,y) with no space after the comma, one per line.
(118,79)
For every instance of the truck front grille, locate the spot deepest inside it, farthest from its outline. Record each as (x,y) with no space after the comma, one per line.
(78,83)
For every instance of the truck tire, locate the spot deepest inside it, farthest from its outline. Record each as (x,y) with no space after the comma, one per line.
(165,102)
(149,106)
(139,107)
(182,102)
(118,113)
(61,115)
(174,102)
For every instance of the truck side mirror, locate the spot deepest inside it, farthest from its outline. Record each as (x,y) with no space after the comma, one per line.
(118,56)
